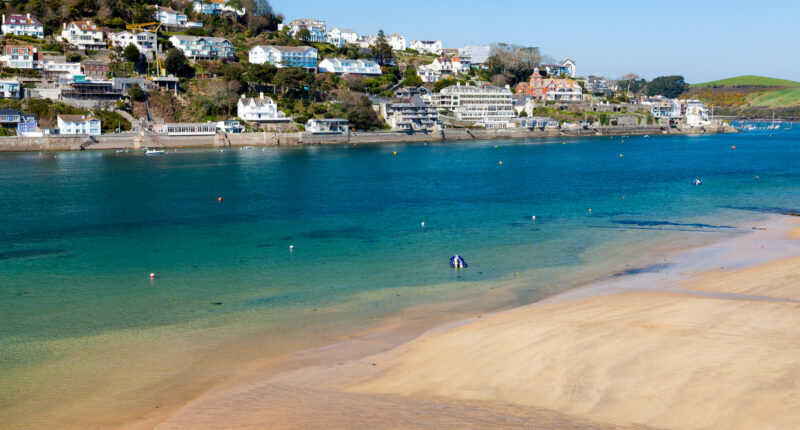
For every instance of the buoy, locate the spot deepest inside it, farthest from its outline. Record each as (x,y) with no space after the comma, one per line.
(533,217)
(495,146)
(590,210)
(733,147)
(563,143)
(219,199)
(394,153)
(152,275)
(756,176)
(620,155)
(501,162)
(291,247)
(422,224)
(623,197)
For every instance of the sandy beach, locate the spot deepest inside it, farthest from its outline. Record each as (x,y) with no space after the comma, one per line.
(709,340)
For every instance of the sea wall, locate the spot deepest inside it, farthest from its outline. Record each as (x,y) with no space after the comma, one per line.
(152,140)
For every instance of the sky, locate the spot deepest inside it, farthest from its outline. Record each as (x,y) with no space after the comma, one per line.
(703,40)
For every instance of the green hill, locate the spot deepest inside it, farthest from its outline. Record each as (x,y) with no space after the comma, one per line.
(750,80)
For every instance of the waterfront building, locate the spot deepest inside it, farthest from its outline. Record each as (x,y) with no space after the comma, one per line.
(284,56)
(342,66)
(144,41)
(327,126)
(83,35)
(478,54)
(10,116)
(487,106)
(662,107)
(27,126)
(550,89)
(696,113)
(186,128)
(315,27)
(261,109)
(78,124)
(532,122)
(427,46)
(22,25)
(215,7)
(410,114)
(230,126)
(10,89)
(95,68)
(341,36)
(565,67)
(21,57)
(203,47)
(397,42)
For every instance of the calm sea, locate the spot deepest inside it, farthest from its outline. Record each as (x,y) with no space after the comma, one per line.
(81,232)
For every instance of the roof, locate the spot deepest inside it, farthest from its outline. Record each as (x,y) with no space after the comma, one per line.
(97,62)
(89,25)
(10,47)
(258,101)
(343,30)
(349,63)
(20,19)
(77,118)
(327,120)
(197,38)
(168,10)
(7,112)
(298,49)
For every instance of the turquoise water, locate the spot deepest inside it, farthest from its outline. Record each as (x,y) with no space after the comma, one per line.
(82,231)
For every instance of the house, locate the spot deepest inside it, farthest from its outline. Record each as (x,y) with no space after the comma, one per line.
(428,76)
(94,68)
(596,85)
(486,106)
(10,89)
(78,88)
(427,46)
(284,56)
(10,116)
(327,126)
(478,54)
(565,67)
(27,126)
(550,89)
(144,41)
(22,25)
(215,7)
(261,109)
(662,107)
(186,128)
(696,113)
(230,126)
(408,92)
(125,84)
(78,124)
(365,42)
(83,35)
(58,64)
(21,57)
(342,66)
(172,17)
(341,36)
(315,27)
(397,42)
(532,122)
(411,114)
(203,47)
(445,66)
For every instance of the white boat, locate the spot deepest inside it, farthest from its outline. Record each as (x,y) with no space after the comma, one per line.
(154,152)
(697,182)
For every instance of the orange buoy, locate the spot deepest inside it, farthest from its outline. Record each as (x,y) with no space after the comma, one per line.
(219,199)
(733,147)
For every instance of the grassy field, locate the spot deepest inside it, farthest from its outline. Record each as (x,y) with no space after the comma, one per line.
(750,80)
(776,98)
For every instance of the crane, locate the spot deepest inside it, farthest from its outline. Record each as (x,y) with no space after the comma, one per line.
(143,26)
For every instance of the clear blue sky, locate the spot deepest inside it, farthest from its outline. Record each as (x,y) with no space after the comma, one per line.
(702,40)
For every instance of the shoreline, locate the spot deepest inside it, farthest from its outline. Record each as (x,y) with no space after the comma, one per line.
(363,357)
(137,141)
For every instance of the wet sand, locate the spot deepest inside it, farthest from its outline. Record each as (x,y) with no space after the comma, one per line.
(707,340)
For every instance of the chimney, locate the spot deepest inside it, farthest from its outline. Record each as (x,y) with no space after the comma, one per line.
(261,95)
(65,26)
(29,16)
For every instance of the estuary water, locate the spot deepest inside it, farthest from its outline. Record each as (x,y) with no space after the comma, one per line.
(81,233)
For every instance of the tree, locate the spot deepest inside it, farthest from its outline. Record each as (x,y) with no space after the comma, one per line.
(667,86)
(382,51)
(516,63)
(136,93)
(176,63)
(288,78)
(132,53)
(303,34)
(411,78)
(444,83)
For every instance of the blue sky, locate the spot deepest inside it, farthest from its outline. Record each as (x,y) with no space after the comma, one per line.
(702,40)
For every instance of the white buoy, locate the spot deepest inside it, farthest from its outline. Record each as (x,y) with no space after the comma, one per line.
(152,275)
(423,223)
(291,247)
(533,217)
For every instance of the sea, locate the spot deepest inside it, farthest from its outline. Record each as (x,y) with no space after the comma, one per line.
(267,249)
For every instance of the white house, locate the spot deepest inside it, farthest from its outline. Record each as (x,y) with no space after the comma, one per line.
(78,124)
(397,42)
(59,64)
(144,41)
(172,17)
(327,126)
(490,107)
(341,66)
(410,114)
(365,42)
(83,35)
(215,7)
(284,56)
(261,109)
(22,25)
(316,28)
(10,89)
(203,47)
(447,65)
(478,54)
(341,36)
(696,113)
(427,46)
(21,57)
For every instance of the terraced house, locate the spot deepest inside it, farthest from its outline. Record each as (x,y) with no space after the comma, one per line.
(316,28)
(22,25)
(344,66)
(203,48)
(21,57)
(284,56)
(83,35)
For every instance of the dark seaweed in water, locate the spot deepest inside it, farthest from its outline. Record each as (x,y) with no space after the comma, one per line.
(30,253)
(350,232)
(768,209)
(668,223)
(646,269)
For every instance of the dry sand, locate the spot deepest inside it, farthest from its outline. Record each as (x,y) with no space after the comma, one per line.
(712,350)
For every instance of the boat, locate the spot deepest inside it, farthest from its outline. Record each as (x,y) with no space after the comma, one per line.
(646,135)
(154,152)
(697,182)
(457,262)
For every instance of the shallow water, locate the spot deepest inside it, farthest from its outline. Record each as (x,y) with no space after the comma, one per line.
(82,231)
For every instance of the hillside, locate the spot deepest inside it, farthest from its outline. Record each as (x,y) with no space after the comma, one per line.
(749,81)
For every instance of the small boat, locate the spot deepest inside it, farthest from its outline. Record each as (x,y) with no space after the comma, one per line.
(247,147)
(154,152)
(697,182)
(646,135)
(457,262)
